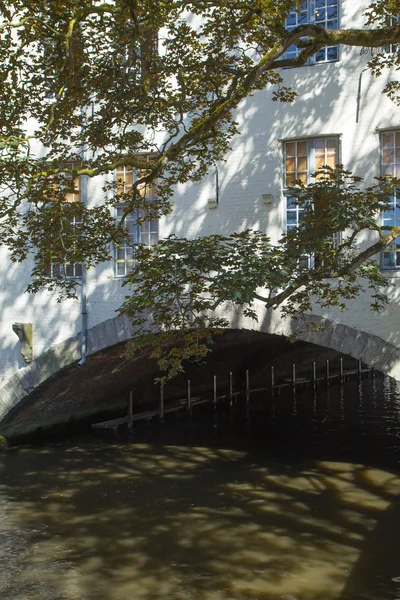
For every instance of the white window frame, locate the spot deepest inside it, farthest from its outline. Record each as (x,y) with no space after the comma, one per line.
(310,141)
(385,215)
(138,231)
(314,9)
(392,48)
(57,270)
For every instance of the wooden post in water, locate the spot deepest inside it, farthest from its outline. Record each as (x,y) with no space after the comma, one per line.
(341,370)
(314,374)
(162,403)
(247,386)
(130,412)
(215,391)
(272,381)
(359,369)
(327,372)
(294,377)
(230,388)
(189,398)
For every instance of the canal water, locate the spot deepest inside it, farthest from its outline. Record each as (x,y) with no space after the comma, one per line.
(290,498)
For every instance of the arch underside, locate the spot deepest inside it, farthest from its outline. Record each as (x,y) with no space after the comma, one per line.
(371,349)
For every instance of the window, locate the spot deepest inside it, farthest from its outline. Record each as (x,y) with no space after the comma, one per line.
(324,13)
(69,270)
(146,233)
(392,48)
(302,158)
(390,145)
(126,176)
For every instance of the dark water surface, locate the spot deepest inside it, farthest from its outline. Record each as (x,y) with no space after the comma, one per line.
(301,502)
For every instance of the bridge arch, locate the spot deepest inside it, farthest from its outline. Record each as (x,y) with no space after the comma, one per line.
(371,349)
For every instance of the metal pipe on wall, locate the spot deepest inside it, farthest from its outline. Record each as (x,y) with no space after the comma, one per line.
(84,313)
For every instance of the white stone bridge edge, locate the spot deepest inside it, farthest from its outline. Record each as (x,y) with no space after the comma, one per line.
(371,349)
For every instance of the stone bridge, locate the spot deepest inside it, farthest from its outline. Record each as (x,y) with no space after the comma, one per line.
(371,349)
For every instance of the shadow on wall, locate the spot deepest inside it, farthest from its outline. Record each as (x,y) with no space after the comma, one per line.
(253,168)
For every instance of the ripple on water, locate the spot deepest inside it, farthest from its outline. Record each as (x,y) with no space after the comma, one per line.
(300,504)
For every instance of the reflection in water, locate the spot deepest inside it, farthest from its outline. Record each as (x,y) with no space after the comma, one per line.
(300,505)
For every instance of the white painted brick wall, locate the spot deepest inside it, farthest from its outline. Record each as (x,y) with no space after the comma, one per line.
(327,105)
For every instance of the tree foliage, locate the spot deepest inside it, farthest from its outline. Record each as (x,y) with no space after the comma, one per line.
(84,91)
(179,284)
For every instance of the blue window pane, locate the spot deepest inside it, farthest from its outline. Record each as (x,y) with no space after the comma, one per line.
(291,217)
(291,202)
(304,262)
(388,259)
(332,24)
(332,53)
(388,217)
(323,13)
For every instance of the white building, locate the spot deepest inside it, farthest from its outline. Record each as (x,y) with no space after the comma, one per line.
(340,115)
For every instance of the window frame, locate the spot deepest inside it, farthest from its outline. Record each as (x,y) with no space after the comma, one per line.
(310,140)
(311,20)
(396,199)
(74,197)
(137,229)
(392,48)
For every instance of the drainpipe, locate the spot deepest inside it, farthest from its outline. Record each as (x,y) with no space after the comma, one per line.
(84,317)
(84,314)
(216,184)
(359,94)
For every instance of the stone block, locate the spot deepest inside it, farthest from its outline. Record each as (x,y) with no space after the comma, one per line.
(68,351)
(394,371)
(32,374)
(93,344)
(120,331)
(306,329)
(338,336)
(26,379)
(6,403)
(373,350)
(359,344)
(389,358)
(13,397)
(111,334)
(309,334)
(128,328)
(348,341)
(105,335)
(48,364)
(324,335)
(98,336)
(18,389)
